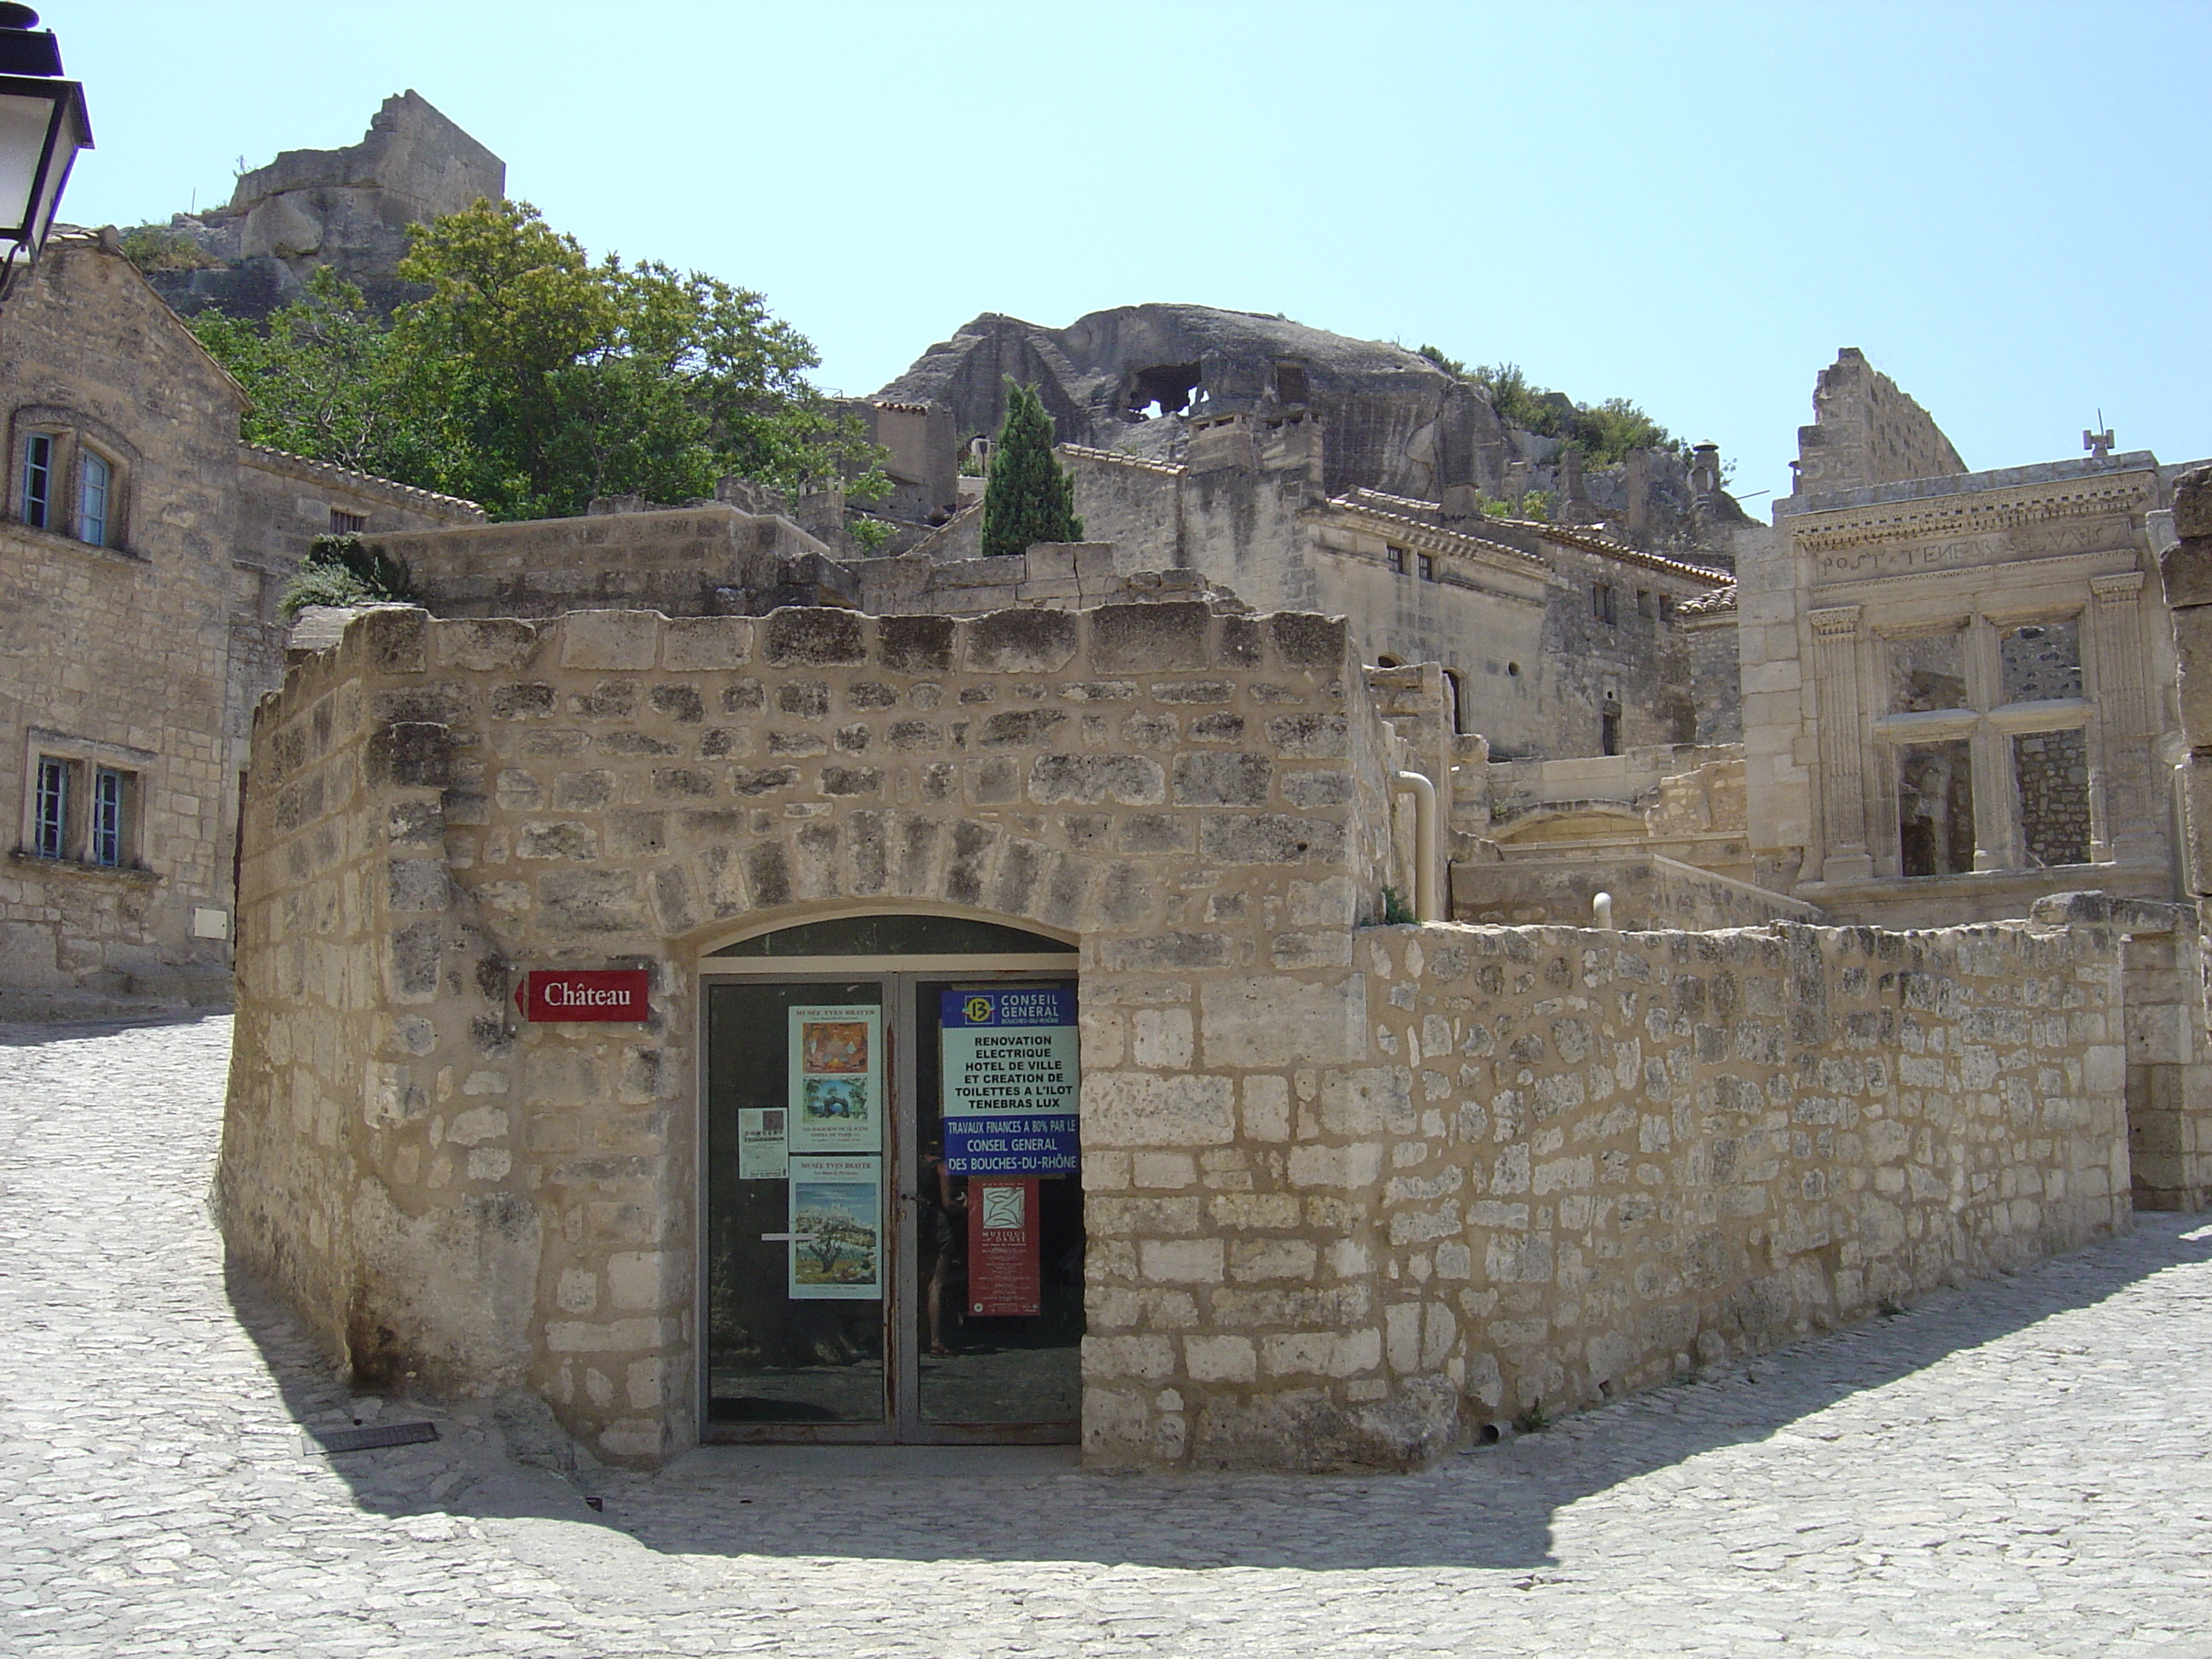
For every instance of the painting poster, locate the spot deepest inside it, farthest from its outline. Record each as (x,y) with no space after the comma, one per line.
(763,1143)
(836,1229)
(1005,1254)
(836,1079)
(1011,1080)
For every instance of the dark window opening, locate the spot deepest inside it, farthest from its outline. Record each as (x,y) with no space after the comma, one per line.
(1935,809)
(50,828)
(1289,383)
(1455,707)
(39,479)
(107,811)
(348,524)
(1602,606)
(1427,565)
(1643,602)
(1609,729)
(1168,386)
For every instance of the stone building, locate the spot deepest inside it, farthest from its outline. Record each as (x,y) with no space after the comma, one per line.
(146,547)
(1326,1194)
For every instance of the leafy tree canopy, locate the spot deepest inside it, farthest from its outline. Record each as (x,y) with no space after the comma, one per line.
(1605,431)
(533,378)
(1029,498)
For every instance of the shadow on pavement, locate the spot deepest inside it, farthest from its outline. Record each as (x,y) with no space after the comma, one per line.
(1490,1509)
(38,1033)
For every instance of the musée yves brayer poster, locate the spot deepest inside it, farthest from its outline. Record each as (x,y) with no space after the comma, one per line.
(836,1229)
(836,1079)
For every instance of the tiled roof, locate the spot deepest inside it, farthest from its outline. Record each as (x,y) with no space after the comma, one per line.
(348,476)
(1118,459)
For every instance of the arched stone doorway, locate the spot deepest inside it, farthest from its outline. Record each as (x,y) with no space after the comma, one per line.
(891,1214)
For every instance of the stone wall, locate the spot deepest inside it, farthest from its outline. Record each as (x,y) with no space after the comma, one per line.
(463,1203)
(682,562)
(115,655)
(1865,431)
(1560,1164)
(1648,891)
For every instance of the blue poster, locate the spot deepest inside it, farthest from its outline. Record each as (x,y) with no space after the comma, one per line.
(1010,1079)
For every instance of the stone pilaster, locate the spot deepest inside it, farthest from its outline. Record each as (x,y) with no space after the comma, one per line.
(1842,722)
(2124,801)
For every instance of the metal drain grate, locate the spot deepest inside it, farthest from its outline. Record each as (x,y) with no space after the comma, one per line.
(383,1434)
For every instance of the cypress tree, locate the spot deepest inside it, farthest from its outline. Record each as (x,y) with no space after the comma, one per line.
(1029,498)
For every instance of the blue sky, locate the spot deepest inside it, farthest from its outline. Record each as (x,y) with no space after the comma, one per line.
(1690,205)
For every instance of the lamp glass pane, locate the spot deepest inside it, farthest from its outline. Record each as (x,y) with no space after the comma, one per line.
(69,138)
(23,122)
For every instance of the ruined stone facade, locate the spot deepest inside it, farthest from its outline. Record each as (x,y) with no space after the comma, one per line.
(1866,432)
(146,550)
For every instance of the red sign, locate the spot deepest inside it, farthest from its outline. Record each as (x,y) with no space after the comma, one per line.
(1004,1248)
(566,994)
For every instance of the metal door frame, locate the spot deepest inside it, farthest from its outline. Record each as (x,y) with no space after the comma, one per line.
(898,976)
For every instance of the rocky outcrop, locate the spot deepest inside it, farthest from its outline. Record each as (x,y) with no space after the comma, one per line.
(1135,378)
(346,208)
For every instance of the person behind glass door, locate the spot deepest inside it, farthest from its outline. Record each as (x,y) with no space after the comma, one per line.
(943,1195)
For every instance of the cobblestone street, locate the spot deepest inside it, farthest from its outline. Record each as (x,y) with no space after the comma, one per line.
(2018,1467)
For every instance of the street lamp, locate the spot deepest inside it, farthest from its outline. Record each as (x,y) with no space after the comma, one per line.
(42,126)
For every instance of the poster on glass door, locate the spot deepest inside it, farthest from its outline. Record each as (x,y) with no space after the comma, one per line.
(837,1100)
(836,1229)
(1010,1081)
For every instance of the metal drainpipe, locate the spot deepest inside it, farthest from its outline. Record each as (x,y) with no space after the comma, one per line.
(1426,907)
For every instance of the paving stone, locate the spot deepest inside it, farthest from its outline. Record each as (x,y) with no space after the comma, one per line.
(2013,1469)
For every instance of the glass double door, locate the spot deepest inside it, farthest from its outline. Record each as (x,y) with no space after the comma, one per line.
(877,1267)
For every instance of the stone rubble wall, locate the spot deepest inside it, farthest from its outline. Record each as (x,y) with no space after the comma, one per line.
(1559,1165)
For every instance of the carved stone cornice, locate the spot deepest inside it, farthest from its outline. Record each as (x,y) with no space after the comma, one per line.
(1950,517)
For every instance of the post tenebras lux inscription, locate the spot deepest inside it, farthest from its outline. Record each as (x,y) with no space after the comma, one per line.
(603,994)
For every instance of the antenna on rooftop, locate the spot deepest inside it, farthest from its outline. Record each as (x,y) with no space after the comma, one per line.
(2099,442)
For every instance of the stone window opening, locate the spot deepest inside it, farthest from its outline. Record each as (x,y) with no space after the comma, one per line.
(1455,708)
(1935,808)
(1425,563)
(70,480)
(2004,701)
(1602,608)
(1397,559)
(1644,606)
(344,523)
(81,806)
(1608,728)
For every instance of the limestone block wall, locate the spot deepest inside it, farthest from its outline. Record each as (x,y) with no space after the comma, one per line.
(670,559)
(1613,1157)
(460,1202)
(1557,1165)
(114,655)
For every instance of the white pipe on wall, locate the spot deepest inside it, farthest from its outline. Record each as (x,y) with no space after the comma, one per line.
(1425,907)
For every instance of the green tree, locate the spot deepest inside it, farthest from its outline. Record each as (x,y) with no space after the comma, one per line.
(328,382)
(532,378)
(1029,498)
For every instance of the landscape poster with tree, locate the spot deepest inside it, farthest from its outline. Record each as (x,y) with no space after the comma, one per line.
(836,1079)
(836,1229)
